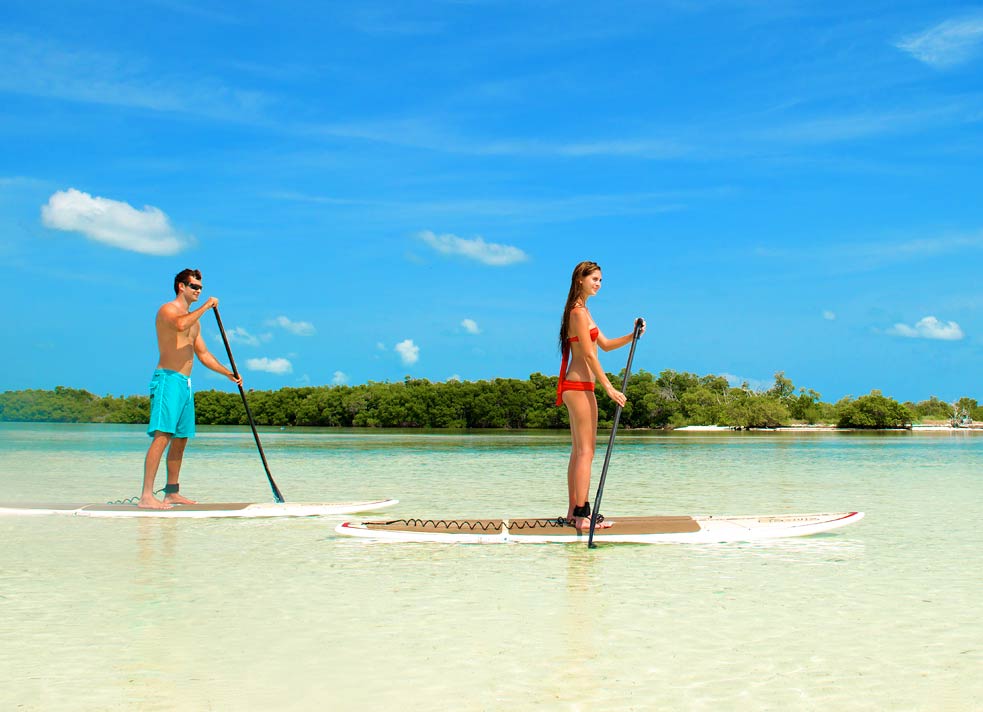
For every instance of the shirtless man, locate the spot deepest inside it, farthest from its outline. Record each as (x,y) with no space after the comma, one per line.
(172,404)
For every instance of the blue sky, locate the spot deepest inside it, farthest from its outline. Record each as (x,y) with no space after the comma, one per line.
(383,189)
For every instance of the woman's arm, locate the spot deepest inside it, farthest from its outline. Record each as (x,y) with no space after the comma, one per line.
(580,325)
(607,344)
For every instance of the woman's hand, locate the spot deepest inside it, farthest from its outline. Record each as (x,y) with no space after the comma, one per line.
(616,395)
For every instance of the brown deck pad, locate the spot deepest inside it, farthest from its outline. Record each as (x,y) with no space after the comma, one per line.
(538,527)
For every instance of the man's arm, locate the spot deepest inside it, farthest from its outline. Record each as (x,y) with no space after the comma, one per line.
(182,322)
(209,361)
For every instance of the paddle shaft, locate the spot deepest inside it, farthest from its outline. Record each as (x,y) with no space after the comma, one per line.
(614,430)
(228,349)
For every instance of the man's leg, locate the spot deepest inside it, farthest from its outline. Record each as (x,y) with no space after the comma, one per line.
(175,456)
(150,465)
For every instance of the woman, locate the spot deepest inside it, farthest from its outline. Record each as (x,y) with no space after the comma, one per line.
(579,339)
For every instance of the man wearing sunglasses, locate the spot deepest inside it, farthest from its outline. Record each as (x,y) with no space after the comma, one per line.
(172,403)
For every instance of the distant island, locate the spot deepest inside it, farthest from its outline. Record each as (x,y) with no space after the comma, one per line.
(667,401)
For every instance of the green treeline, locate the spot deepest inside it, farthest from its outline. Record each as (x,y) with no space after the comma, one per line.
(70,405)
(669,400)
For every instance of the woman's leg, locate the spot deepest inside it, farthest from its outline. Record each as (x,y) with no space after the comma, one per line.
(582,408)
(593,440)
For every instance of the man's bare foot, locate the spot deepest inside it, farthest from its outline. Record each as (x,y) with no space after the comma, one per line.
(175,498)
(151,502)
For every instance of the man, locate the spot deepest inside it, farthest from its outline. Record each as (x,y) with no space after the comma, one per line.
(172,404)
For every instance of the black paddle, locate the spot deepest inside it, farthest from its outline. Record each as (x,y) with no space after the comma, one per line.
(614,429)
(277,497)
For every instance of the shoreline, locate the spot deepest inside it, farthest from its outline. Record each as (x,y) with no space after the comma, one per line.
(831,428)
(976,427)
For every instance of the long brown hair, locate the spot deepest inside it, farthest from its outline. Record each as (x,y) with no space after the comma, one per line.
(579,272)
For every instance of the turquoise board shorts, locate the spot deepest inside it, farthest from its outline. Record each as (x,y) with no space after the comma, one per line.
(172,404)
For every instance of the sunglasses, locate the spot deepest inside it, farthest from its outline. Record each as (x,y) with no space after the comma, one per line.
(196,287)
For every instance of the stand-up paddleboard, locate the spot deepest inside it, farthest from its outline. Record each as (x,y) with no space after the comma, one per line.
(199,511)
(629,530)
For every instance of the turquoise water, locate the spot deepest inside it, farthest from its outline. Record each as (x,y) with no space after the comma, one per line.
(283,614)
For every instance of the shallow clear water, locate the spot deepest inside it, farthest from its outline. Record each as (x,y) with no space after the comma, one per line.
(259,614)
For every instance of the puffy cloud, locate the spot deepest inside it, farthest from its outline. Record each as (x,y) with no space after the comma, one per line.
(946,44)
(488,253)
(238,335)
(755,384)
(408,351)
(929,328)
(113,223)
(340,378)
(299,328)
(270,365)
(471,326)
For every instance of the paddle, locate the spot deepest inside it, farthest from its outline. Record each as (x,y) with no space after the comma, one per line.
(614,429)
(277,497)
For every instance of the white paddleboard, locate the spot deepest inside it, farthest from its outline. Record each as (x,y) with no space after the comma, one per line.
(198,511)
(630,530)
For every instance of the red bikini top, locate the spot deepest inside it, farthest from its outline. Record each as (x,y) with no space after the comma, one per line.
(593,335)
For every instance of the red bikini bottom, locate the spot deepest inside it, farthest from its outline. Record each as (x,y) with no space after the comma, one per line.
(572,386)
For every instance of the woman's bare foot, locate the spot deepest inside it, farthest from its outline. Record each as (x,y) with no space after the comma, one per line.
(175,498)
(151,502)
(583,524)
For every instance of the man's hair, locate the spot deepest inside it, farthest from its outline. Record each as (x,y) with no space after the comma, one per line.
(183,276)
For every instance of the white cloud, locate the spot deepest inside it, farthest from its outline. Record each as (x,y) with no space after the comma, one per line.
(929,328)
(408,351)
(755,384)
(340,378)
(238,335)
(829,316)
(863,256)
(18,181)
(270,365)
(946,44)
(39,67)
(300,328)
(852,126)
(564,209)
(471,326)
(433,135)
(113,223)
(488,253)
